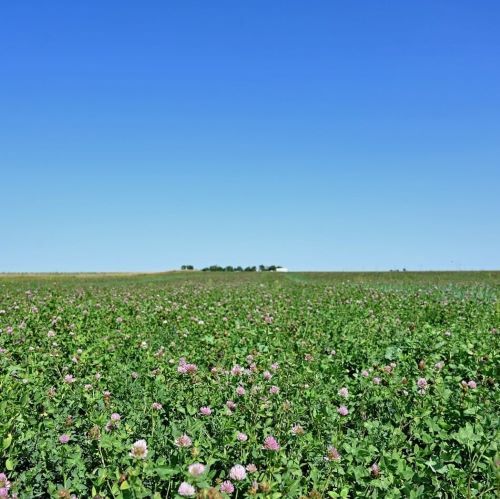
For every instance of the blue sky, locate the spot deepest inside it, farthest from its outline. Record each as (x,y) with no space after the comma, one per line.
(323,135)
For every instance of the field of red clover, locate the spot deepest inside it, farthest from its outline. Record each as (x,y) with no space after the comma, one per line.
(263,385)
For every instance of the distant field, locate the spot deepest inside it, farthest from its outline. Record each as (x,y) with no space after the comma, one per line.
(485,277)
(279,385)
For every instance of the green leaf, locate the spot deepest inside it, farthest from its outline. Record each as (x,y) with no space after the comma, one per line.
(7,441)
(164,472)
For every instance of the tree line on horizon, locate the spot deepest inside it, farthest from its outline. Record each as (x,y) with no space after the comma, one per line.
(230,268)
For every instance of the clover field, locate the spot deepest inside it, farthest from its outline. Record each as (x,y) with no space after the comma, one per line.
(249,384)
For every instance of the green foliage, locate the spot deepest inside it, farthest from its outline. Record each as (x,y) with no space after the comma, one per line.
(121,340)
(230,268)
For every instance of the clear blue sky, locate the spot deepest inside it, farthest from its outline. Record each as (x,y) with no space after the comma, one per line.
(311,134)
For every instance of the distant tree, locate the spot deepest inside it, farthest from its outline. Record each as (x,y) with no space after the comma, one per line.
(269,268)
(187,267)
(216,268)
(230,268)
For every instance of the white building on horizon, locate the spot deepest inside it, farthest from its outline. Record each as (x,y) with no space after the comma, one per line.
(281,269)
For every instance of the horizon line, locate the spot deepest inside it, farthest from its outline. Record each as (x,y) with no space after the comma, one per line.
(154,272)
